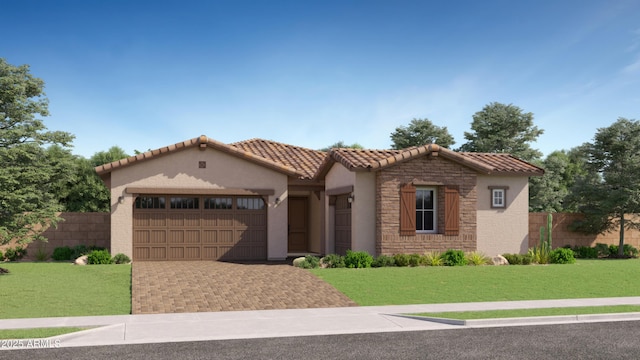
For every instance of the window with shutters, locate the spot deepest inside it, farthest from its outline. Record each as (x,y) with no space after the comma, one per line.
(426,210)
(419,210)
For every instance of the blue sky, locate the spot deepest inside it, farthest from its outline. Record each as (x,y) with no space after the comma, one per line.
(146,74)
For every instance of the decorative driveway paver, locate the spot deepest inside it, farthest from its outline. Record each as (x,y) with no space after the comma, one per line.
(201,286)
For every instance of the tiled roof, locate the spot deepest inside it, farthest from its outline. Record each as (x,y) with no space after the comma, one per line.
(202,142)
(371,160)
(305,161)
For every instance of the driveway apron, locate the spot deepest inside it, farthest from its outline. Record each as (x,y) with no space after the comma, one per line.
(203,286)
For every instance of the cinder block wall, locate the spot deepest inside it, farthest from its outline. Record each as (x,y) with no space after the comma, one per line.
(563,236)
(90,229)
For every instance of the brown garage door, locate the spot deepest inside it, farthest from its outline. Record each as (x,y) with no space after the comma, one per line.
(180,227)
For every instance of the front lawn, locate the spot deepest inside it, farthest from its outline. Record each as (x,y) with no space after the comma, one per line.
(430,285)
(60,289)
(37,333)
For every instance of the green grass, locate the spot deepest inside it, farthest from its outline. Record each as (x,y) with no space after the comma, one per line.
(496,314)
(60,289)
(430,285)
(37,333)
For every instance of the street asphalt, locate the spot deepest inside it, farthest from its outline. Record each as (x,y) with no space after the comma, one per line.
(182,327)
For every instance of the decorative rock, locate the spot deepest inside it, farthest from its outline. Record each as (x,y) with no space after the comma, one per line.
(82,260)
(298,261)
(499,260)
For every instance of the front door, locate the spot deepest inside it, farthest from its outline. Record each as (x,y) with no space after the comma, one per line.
(298,224)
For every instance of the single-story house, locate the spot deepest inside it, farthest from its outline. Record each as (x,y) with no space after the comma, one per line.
(201,199)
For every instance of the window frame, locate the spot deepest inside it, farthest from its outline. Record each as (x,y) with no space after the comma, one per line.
(434,210)
(494,191)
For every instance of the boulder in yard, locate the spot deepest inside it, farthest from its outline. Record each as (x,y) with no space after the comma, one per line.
(499,260)
(298,261)
(82,260)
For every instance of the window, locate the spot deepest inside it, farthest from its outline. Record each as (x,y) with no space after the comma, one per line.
(498,196)
(426,210)
(243,203)
(184,203)
(150,202)
(419,210)
(218,203)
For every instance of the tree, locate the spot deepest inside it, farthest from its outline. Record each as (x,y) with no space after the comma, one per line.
(547,193)
(341,145)
(421,132)
(28,173)
(84,191)
(611,187)
(501,128)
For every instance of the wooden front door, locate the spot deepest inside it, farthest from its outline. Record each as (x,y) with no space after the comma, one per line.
(298,225)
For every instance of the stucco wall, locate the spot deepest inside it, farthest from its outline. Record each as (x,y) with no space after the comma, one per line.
(337,177)
(363,214)
(436,171)
(504,230)
(181,170)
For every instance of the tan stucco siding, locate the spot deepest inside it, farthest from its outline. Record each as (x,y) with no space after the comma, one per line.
(363,213)
(337,177)
(181,170)
(503,230)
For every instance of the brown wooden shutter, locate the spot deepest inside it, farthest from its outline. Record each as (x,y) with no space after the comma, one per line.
(451,210)
(408,210)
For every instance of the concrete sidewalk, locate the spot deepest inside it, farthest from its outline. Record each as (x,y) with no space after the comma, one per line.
(159,328)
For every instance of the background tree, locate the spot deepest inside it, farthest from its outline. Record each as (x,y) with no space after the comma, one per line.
(341,145)
(85,191)
(27,174)
(421,132)
(547,193)
(501,128)
(611,187)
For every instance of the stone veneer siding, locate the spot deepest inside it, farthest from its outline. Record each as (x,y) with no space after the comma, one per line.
(424,169)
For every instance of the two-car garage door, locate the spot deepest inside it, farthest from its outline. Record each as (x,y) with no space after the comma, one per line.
(179,227)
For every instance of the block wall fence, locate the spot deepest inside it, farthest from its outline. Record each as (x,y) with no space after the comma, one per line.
(562,236)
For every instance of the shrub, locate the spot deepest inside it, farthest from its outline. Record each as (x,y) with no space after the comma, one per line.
(562,256)
(14,254)
(513,259)
(454,258)
(358,259)
(627,251)
(585,252)
(603,249)
(80,250)
(121,259)
(310,262)
(62,253)
(99,257)
(527,259)
(383,261)
(401,260)
(333,261)
(1,255)
(433,258)
(415,260)
(477,258)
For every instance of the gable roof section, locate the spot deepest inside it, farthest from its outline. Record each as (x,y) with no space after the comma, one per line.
(373,160)
(305,161)
(202,142)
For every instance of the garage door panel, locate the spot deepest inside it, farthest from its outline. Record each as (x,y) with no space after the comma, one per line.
(203,233)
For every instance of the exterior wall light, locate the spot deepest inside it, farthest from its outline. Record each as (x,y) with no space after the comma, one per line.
(121,200)
(350,199)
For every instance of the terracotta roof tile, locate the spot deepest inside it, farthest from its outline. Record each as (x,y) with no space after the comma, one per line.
(371,160)
(304,161)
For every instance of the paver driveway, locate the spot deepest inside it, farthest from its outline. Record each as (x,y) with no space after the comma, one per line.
(197,286)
